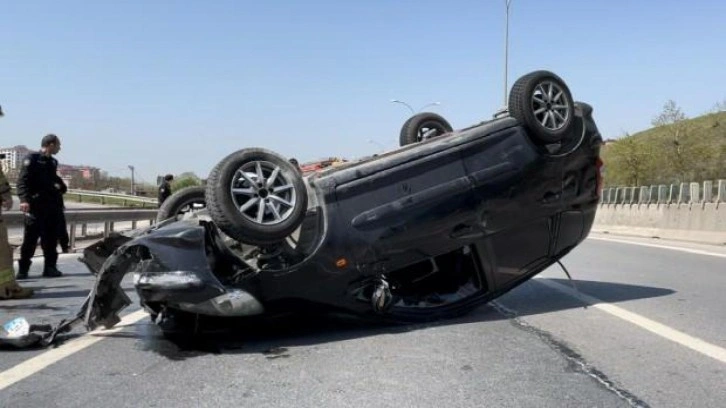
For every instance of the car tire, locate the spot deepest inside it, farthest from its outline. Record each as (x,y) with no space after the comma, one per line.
(414,129)
(179,203)
(254,211)
(543,104)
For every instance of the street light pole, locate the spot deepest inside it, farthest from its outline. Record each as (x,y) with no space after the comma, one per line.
(404,103)
(379,144)
(429,104)
(133,187)
(413,112)
(506,51)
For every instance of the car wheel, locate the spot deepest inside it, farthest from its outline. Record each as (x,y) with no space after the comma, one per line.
(256,197)
(423,126)
(186,200)
(542,103)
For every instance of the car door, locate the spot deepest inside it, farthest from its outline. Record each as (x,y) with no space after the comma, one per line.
(402,208)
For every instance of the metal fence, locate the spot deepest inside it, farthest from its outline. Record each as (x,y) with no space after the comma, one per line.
(683,193)
(104,198)
(108,218)
(80,195)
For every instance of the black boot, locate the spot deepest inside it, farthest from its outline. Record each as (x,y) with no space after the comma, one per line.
(23,268)
(51,272)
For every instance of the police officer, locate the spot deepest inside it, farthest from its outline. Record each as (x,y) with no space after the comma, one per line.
(41,199)
(9,288)
(165,188)
(296,164)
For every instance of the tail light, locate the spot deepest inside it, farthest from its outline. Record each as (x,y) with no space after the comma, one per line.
(598,165)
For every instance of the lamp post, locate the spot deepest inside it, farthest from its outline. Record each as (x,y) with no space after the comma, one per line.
(413,112)
(379,144)
(429,104)
(133,187)
(507,3)
(404,103)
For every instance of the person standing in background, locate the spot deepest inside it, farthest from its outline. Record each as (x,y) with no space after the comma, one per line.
(165,188)
(9,288)
(41,190)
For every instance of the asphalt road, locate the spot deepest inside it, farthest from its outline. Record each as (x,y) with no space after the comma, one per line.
(653,334)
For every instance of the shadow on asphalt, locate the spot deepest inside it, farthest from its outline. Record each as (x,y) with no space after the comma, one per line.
(26,307)
(73,275)
(61,294)
(48,294)
(534,298)
(274,337)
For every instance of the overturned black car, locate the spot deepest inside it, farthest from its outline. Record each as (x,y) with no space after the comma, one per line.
(448,221)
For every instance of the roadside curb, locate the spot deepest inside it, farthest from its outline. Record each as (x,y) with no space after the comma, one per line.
(715,239)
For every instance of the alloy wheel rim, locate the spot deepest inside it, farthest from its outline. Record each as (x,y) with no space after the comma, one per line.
(550,105)
(262,193)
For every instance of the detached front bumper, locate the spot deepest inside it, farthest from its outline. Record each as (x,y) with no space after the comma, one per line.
(172,267)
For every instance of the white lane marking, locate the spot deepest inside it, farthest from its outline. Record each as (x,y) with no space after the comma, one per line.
(674,248)
(693,343)
(37,363)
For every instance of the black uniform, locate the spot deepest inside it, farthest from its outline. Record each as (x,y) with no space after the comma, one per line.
(40,186)
(63,238)
(164,191)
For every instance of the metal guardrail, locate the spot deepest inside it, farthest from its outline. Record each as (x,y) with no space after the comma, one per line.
(87,193)
(102,196)
(107,217)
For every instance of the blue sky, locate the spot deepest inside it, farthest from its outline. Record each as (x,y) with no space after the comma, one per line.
(174,86)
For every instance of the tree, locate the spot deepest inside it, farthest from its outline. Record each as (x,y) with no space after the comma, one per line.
(186,179)
(630,161)
(116,183)
(675,151)
(719,107)
(78,181)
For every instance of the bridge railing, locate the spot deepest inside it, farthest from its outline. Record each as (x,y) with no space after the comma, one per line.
(683,193)
(108,218)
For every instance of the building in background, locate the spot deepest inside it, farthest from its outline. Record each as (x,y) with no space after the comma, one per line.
(82,172)
(73,176)
(13,157)
(83,177)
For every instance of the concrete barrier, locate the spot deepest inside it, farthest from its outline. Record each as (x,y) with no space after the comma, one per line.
(686,211)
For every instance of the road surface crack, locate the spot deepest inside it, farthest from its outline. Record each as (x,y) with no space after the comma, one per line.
(573,358)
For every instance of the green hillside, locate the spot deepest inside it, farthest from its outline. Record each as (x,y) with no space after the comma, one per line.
(681,151)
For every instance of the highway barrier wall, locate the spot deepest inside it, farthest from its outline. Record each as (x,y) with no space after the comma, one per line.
(686,211)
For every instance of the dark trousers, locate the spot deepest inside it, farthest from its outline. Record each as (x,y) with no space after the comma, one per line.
(42,224)
(63,238)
